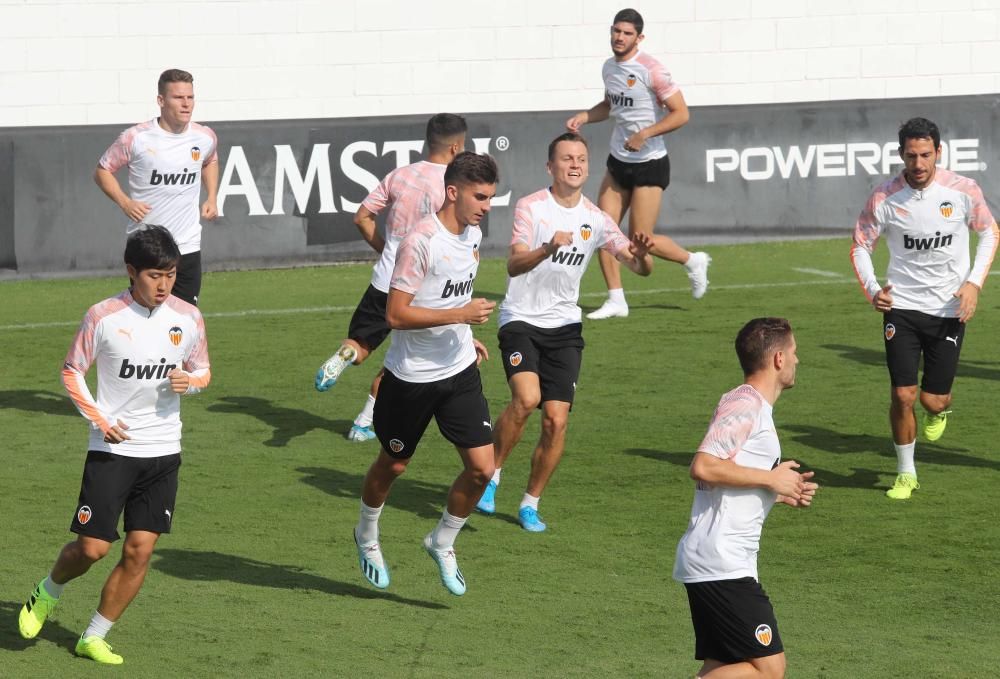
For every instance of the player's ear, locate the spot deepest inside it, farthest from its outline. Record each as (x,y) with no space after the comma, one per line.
(451,191)
(778,359)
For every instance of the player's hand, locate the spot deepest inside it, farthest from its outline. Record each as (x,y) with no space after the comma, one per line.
(968,298)
(806,496)
(882,301)
(786,481)
(576,122)
(179,381)
(559,239)
(640,245)
(117,433)
(477,311)
(210,209)
(481,352)
(635,142)
(136,210)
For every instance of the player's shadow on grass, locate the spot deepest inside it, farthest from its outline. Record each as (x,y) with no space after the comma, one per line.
(34,401)
(426,500)
(53,631)
(201,566)
(876,357)
(679,459)
(287,422)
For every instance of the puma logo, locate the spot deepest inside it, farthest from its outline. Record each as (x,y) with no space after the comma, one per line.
(127,333)
(487,424)
(953,340)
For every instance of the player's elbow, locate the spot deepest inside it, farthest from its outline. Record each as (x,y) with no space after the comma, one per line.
(394,319)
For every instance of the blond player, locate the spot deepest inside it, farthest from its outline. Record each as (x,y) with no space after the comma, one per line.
(646,104)
(150,348)
(169,159)
(556,232)
(407,194)
(740,476)
(931,292)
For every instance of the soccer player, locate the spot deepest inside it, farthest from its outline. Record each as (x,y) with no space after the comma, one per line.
(556,231)
(740,475)
(431,368)
(410,193)
(150,348)
(646,104)
(931,292)
(166,158)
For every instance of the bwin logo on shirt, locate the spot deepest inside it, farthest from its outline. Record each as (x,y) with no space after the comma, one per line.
(457,289)
(150,371)
(620,99)
(572,258)
(169,178)
(928,243)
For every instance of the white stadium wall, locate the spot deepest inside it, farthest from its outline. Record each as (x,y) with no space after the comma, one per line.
(87,62)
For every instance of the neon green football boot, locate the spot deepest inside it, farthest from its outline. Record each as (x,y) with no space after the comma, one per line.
(35,611)
(903,488)
(934,425)
(97,649)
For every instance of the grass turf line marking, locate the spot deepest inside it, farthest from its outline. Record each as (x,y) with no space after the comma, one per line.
(819,272)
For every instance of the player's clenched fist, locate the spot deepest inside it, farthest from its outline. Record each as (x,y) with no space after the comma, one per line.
(477,311)
(179,381)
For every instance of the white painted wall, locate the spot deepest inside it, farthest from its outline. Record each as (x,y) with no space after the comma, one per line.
(68,62)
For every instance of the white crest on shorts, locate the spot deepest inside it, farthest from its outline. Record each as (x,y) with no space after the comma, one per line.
(515,359)
(763,634)
(83,514)
(890,331)
(396,445)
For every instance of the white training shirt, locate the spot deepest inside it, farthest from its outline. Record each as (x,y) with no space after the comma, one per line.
(411,192)
(439,269)
(723,535)
(164,171)
(637,90)
(547,296)
(927,232)
(135,348)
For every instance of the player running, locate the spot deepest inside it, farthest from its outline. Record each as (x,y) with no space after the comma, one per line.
(409,193)
(646,104)
(431,366)
(931,292)
(150,348)
(556,231)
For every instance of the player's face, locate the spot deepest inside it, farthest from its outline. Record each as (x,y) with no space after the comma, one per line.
(151,287)
(624,39)
(791,361)
(570,165)
(176,104)
(920,160)
(472,202)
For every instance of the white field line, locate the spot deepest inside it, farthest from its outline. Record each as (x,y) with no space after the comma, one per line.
(347,309)
(819,272)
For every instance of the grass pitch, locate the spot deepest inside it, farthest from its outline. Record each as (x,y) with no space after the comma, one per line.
(260,577)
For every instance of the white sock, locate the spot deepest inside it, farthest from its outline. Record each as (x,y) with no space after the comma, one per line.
(904,458)
(444,534)
(99,626)
(367,530)
(690,261)
(53,589)
(364,418)
(496,476)
(617,296)
(529,501)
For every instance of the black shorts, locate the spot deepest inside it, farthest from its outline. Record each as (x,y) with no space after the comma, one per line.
(146,487)
(654,172)
(554,354)
(404,409)
(908,334)
(733,621)
(368,324)
(187,285)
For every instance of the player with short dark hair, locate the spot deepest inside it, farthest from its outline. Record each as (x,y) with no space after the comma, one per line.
(431,367)
(407,194)
(740,476)
(646,104)
(931,291)
(150,348)
(169,158)
(556,232)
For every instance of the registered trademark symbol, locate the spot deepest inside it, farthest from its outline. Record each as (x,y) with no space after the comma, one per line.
(982,167)
(502,143)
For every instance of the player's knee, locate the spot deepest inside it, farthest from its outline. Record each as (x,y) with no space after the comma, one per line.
(93,550)
(771,667)
(481,474)
(136,555)
(904,397)
(525,404)
(935,403)
(554,424)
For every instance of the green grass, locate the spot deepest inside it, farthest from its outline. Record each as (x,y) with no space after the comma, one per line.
(260,577)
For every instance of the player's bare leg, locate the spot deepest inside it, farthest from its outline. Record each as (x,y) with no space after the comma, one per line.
(525,395)
(128,574)
(904,436)
(361,430)
(769,667)
(552,442)
(382,473)
(77,557)
(614,200)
